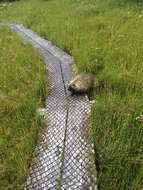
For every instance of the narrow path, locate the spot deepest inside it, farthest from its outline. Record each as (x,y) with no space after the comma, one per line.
(64,157)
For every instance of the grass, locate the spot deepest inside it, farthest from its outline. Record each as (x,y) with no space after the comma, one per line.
(104,38)
(22,91)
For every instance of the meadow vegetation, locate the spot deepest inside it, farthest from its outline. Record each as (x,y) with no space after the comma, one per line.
(22,91)
(105,38)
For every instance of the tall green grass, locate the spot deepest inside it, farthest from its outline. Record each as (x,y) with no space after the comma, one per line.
(104,38)
(22,91)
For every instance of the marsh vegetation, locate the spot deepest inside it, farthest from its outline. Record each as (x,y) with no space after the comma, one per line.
(105,38)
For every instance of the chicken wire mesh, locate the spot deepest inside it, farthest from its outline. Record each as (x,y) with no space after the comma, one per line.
(64,156)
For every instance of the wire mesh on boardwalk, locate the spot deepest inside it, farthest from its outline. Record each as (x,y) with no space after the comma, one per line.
(64,155)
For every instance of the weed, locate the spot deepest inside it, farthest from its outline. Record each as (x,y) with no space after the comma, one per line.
(22,91)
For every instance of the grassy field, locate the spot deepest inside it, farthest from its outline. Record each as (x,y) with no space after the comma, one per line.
(105,37)
(22,91)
